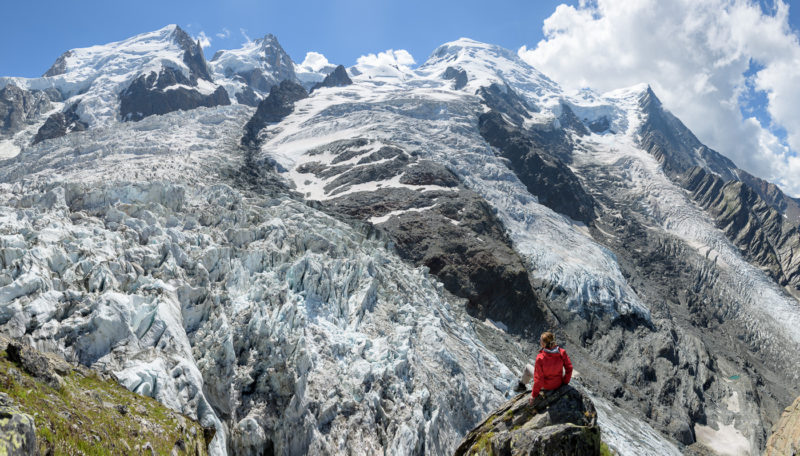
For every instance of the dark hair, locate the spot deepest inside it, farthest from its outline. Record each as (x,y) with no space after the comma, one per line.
(548,339)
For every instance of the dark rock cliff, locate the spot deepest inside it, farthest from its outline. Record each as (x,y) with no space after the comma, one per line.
(163,92)
(59,124)
(337,78)
(19,108)
(274,108)
(545,176)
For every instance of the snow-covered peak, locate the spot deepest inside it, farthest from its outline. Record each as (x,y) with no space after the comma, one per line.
(264,53)
(248,73)
(94,76)
(487,64)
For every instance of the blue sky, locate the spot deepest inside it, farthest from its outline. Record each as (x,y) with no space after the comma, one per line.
(341,30)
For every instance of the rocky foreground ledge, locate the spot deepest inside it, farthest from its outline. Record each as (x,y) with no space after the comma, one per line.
(563,423)
(49,406)
(785,438)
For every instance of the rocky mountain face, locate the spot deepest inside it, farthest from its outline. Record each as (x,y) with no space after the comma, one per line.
(254,69)
(364,267)
(20,108)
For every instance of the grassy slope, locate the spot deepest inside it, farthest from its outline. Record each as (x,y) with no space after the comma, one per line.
(94,416)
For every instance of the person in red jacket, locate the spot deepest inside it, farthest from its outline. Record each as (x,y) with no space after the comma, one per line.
(553,367)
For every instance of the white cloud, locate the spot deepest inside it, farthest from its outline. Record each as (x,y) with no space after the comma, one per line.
(314,61)
(694,54)
(204,40)
(398,58)
(225,33)
(244,34)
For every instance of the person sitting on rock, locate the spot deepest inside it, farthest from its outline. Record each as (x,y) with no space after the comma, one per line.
(553,368)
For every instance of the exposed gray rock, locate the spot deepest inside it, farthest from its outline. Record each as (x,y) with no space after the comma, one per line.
(59,124)
(192,55)
(458,75)
(453,233)
(569,120)
(154,94)
(504,99)
(274,108)
(248,97)
(562,423)
(59,66)
(39,365)
(19,108)
(599,125)
(548,178)
(761,232)
(772,195)
(337,78)
(674,145)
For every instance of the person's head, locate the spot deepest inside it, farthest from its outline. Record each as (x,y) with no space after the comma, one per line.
(548,340)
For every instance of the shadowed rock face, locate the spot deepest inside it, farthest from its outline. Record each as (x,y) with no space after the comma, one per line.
(274,108)
(337,78)
(192,55)
(59,124)
(772,195)
(563,423)
(154,94)
(19,107)
(457,75)
(760,232)
(545,176)
(59,66)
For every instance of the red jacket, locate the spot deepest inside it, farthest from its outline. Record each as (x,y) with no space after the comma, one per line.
(552,369)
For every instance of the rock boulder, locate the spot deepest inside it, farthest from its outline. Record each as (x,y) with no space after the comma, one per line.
(564,422)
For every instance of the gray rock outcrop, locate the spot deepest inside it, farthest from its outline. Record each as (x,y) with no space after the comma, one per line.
(337,78)
(545,176)
(19,108)
(274,108)
(163,92)
(763,235)
(563,423)
(459,77)
(59,124)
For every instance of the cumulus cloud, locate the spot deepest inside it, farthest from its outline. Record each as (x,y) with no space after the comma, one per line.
(204,40)
(398,58)
(705,60)
(314,61)
(225,33)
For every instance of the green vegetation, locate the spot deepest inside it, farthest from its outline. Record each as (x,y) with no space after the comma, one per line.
(96,416)
(483,445)
(605,450)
